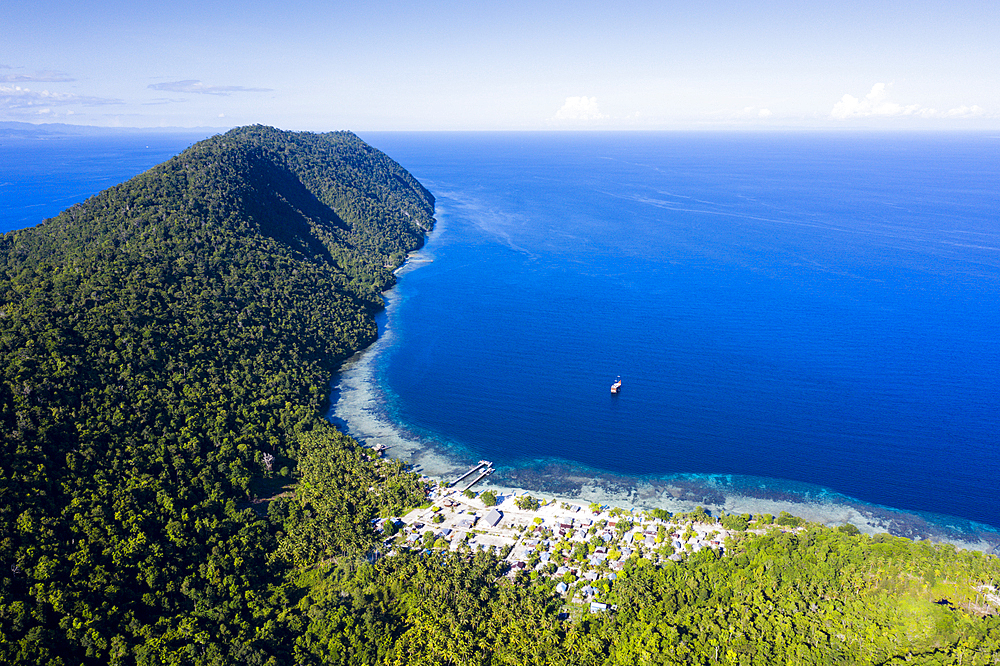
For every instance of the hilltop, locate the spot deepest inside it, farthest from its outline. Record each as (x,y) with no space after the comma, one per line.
(165,349)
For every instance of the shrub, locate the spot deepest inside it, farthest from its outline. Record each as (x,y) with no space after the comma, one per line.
(527,503)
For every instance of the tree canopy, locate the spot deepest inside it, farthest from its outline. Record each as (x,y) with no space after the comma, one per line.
(156,342)
(170,492)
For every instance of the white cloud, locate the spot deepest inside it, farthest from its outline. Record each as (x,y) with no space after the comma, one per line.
(195,86)
(580,108)
(751,112)
(973,111)
(47,76)
(16,97)
(875,104)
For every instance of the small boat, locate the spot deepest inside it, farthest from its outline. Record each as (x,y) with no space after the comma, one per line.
(617,386)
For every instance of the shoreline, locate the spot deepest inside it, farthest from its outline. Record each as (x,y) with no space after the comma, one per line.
(358,411)
(683,494)
(357,408)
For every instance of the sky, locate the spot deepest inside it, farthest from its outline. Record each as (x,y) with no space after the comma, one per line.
(512,65)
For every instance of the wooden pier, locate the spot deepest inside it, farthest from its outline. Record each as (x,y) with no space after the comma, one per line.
(486,472)
(482,463)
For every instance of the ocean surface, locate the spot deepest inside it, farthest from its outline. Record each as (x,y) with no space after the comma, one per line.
(795,317)
(43,175)
(800,320)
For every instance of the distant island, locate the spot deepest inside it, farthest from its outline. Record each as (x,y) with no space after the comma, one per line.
(17,130)
(171,493)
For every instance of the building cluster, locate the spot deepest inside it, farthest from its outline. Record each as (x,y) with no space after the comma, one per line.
(581,549)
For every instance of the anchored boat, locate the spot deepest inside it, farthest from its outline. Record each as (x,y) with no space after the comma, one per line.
(617,386)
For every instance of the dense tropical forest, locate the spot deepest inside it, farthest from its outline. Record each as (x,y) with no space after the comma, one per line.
(171,494)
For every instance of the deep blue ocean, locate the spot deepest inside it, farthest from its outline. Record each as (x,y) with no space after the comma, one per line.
(820,308)
(41,176)
(782,308)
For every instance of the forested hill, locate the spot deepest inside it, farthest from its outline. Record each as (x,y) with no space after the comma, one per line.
(170,493)
(156,341)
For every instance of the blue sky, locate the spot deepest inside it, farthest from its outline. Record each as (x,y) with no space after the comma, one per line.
(502,65)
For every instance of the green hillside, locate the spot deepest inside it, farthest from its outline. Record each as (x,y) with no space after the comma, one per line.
(155,342)
(170,493)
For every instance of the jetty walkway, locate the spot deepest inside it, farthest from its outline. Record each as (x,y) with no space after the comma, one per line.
(480,466)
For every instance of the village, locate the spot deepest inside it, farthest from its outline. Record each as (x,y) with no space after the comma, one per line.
(581,548)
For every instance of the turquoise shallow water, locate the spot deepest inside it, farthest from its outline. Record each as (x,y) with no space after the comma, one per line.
(783,310)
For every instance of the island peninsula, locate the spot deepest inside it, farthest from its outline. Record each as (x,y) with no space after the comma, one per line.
(171,493)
